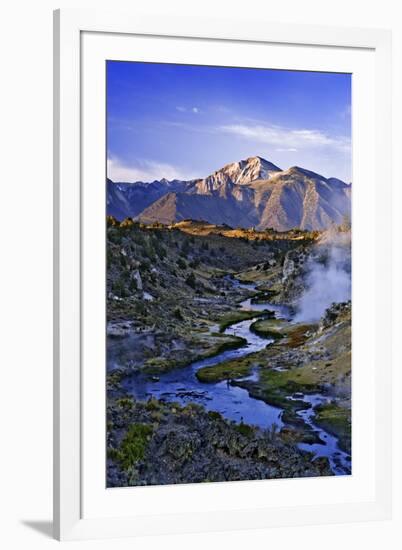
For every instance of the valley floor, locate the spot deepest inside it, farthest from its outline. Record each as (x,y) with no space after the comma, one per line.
(209,379)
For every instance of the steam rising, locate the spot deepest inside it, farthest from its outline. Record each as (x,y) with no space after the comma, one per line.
(328,278)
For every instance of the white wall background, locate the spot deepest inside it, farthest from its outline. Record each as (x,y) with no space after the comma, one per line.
(26,270)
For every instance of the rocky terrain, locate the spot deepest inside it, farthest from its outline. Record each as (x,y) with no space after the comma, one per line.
(166,286)
(304,359)
(154,443)
(181,295)
(249,193)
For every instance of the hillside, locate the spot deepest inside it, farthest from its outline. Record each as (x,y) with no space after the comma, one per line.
(250,193)
(197,337)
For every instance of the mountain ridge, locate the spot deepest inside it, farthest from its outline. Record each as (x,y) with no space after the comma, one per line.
(249,193)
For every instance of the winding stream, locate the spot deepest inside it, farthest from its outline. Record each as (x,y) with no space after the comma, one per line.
(181,385)
(234,403)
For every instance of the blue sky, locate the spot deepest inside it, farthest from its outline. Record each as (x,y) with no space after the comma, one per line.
(184,121)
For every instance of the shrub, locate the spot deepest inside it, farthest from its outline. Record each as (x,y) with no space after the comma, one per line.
(245,429)
(148,252)
(194,263)
(133,446)
(119,288)
(133,285)
(141,308)
(272,432)
(113,236)
(178,314)
(139,239)
(214,415)
(191,280)
(181,263)
(185,248)
(160,251)
(125,403)
(152,404)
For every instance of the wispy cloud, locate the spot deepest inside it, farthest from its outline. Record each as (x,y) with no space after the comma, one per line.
(143,170)
(289,139)
(195,110)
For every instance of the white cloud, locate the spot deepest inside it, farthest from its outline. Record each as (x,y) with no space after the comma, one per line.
(144,170)
(182,109)
(286,138)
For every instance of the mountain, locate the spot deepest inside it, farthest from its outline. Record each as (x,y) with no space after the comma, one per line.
(239,173)
(250,193)
(127,200)
(183,206)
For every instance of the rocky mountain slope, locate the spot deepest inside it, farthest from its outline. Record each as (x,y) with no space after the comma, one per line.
(127,200)
(250,193)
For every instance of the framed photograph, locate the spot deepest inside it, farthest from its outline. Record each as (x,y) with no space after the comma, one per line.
(222,274)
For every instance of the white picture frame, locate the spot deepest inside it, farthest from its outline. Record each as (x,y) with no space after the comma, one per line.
(83,508)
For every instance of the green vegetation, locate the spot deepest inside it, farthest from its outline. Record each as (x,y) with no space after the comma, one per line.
(286,382)
(126,403)
(191,280)
(211,345)
(245,429)
(152,404)
(263,296)
(228,370)
(168,288)
(178,314)
(236,316)
(118,288)
(228,342)
(133,446)
(298,334)
(336,420)
(214,415)
(181,263)
(267,328)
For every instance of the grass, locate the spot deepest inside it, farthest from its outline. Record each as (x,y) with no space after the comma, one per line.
(234,342)
(214,344)
(267,279)
(157,365)
(133,446)
(245,429)
(336,420)
(296,379)
(263,297)
(267,328)
(237,316)
(298,334)
(227,370)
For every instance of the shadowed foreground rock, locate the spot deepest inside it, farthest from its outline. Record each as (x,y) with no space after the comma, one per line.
(156,443)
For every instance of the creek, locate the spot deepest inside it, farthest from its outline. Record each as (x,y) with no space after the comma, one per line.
(235,403)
